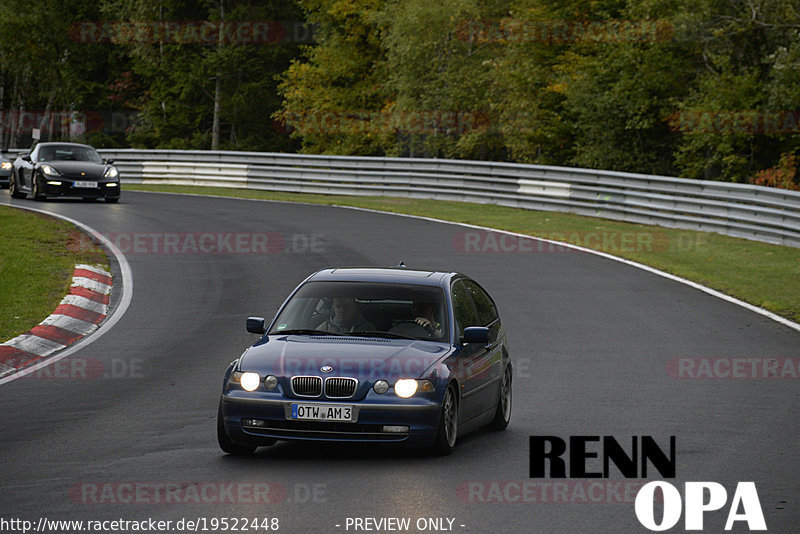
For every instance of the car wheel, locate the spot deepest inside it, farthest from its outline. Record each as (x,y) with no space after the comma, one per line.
(225,442)
(36,194)
(13,190)
(503,414)
(112,200)
(448,424)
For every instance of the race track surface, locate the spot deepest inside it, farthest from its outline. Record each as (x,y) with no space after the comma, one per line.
(592,341)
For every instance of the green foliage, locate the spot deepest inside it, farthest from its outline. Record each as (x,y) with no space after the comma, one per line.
(103,56)
(646,86)
(700,88)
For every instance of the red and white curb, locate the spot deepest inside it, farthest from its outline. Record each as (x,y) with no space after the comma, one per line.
(78,314)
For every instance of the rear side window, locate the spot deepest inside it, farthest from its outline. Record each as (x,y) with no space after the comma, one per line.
(463,309)
(487,312)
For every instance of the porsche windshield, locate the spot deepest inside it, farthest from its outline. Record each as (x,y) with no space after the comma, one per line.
(365,309)
(69,153)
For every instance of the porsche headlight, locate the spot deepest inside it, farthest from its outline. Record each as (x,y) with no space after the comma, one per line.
(250,381)
(111,172)
(50,171)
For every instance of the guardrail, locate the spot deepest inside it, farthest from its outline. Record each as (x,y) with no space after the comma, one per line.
(752,212)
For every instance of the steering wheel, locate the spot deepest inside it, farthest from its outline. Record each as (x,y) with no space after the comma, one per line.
(410,328)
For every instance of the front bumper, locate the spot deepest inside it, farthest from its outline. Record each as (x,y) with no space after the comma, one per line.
(421,417)
(65,187)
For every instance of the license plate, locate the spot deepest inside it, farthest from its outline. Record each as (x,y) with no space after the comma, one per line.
(86,184)
(322,412)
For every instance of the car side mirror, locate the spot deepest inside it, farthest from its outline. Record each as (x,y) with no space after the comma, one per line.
(256,325)
(26,158)
(475,334)
(109,161)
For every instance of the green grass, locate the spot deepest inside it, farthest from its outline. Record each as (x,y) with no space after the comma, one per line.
(37,257)
(761,274)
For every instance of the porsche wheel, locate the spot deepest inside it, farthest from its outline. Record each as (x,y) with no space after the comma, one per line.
(13,189)
(36,194)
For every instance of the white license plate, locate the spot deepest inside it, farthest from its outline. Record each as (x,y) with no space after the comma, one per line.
(86,184)
(322,412)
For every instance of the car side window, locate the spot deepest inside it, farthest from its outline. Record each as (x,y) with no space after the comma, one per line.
(463,309)
(487,311)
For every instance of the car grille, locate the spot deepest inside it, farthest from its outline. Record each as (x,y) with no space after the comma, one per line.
(307,386)
(340,388)
(335,387)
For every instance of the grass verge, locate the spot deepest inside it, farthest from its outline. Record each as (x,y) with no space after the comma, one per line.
(761,274)
(38,255)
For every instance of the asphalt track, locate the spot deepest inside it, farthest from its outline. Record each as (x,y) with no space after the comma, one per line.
(591,338)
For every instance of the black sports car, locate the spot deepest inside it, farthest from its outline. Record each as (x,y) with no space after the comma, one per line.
(64,170)
(5,171)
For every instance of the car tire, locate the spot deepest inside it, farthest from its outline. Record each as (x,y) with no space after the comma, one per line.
(503,414)
(225,442)
(35,190)
(448,424)
(13,189)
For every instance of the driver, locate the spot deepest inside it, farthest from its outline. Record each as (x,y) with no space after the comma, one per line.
(425,316)
(346,318)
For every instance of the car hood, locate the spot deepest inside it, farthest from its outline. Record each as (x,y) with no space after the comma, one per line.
(73,169)
(363,358)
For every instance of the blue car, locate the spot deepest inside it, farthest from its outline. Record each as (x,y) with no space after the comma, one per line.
(374,355)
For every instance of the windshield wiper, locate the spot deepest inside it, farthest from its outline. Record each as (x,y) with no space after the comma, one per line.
(306,332)
(381,333)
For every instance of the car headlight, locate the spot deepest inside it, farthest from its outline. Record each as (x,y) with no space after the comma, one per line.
(250,381)
(407,387)
(6,165)
(50,171)
(111,172)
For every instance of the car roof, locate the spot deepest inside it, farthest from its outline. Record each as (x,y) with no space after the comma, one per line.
(401,275)
(65,143)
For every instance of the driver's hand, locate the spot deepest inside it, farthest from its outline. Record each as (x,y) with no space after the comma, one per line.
(424,323)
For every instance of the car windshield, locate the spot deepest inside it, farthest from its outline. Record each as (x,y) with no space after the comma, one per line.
(69,153)
(365,309)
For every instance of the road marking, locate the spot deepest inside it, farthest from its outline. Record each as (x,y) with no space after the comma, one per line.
(89,278)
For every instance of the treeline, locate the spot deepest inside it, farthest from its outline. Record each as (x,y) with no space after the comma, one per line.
(698,88)
(183,74)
